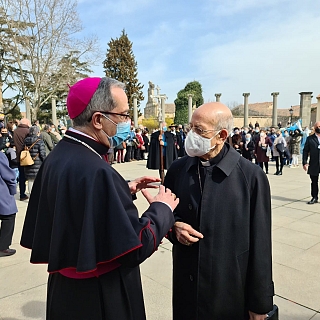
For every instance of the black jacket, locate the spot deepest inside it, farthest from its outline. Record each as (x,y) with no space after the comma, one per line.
(229,271)
(311,150)
(38,153)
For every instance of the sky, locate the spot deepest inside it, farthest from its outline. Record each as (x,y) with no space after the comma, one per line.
(229,46)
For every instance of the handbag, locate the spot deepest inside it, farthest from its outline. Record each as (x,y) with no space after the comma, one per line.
(280,147)
(25,156)
(143,148)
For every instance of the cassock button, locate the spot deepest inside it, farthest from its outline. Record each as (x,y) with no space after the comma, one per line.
(190,206)
(191,277)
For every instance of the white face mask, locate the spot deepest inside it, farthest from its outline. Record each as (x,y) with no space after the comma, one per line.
(197,146)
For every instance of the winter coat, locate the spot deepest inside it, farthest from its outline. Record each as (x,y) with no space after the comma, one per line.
(45,136)
(229,271)
(295,144)
(7,187)
(311,151)
(277,140)
(19,135)
(38,153)
(261,153)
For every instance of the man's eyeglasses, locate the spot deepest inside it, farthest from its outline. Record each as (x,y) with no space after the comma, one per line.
(123,116)
(200,131)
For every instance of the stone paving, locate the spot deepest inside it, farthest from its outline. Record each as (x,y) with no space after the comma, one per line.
(296,257)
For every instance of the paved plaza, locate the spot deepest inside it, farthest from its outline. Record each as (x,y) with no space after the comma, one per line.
(296,257)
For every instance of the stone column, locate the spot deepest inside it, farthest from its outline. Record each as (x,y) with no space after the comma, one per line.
(163,98)
(28,110)
(318,108)
(305,108)
(246,109)
(275,109)
(135,110)
(190,106)
(54,111)
(218,95)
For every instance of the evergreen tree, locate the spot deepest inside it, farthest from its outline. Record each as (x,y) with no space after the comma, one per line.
(120,64)
(181,103)
(9,57)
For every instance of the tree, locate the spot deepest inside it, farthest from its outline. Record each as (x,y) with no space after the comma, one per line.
(120,64)
(69,70)
(9,69)
(194,88)
(49,35)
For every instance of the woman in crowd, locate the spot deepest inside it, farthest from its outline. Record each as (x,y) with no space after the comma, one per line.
(279,145)
(8,207)
(261,147)
(295,147)
(287,153)
(139,144)
(248,148)
(38,153)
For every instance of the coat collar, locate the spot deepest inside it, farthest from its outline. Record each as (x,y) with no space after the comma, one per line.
(226,164)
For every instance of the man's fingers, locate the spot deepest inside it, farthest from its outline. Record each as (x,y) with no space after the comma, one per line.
(147,195)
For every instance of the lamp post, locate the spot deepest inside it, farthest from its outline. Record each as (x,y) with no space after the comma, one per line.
(291,113)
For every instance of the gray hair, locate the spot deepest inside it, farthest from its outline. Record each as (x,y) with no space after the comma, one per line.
(102,100)
(34,130)
(223,121)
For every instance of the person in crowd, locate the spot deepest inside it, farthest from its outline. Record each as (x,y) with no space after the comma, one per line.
(272,136)
(180,140)
(145,146)
(287,153)
(311,161)
(169,150)
(81,219)
(11,127)
(130,146)
(211,236)
(257,125)
(248,147)
(37,151)
(2,125)
(119,149)
(261,147)
(46,138)
(19,135)
(237,140)
(5,139)
(279,146)
(8,207)
(251,125)
(295,147)
(13,160)
(139,144)
(54,133)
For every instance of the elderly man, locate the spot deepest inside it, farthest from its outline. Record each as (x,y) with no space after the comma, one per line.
(222,266)
(311,150)
(81,219)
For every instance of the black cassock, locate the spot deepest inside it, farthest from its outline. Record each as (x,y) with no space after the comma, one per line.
(154,151)
(81,214)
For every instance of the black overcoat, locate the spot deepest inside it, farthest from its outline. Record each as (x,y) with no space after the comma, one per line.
(229,271)
(81,214)
(154,151)
(311,150)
